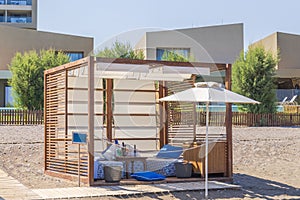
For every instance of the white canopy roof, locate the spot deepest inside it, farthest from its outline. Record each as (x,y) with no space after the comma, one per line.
(147,72)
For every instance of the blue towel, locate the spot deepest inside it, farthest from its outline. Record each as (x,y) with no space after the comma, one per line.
(148,176)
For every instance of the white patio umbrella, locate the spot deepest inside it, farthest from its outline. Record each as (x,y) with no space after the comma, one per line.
(208,92)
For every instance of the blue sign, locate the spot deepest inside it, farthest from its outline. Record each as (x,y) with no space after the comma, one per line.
(78,138)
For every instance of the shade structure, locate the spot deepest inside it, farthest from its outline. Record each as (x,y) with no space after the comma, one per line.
(208,92)
(147,72)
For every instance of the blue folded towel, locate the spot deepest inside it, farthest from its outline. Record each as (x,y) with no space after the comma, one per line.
(148,176)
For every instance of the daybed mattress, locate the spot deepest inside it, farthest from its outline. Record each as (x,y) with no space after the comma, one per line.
(161,166)
(99,168)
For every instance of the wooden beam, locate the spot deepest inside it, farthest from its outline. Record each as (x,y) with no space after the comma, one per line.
(136,138)
(67,66)
(154,63)
(91,116)
(228,123)
(66,176)
(133,90)
(135,114)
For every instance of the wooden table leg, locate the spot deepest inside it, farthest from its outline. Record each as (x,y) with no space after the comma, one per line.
(132,166)
(145,165)
(127,170)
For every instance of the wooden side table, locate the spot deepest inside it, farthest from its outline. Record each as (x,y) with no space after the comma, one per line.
(132,159)
(216,158)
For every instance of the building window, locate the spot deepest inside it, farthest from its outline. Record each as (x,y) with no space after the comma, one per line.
(9,100)
(2,18)
(180,51)
(19,19)
(74,55)
(20,2)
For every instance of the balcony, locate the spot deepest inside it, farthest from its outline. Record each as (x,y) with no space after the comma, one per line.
(22,20)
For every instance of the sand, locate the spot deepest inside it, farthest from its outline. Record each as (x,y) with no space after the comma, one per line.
(266,163)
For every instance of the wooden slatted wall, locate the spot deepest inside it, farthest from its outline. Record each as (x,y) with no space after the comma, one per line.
(61,156)
(182,128)
(181,119)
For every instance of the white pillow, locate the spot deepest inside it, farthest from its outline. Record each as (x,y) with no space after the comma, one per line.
(110,152)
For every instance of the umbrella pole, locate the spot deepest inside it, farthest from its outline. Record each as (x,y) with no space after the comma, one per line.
(194,123)
(206,151)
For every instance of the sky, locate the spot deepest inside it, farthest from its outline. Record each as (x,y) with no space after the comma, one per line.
(106,19)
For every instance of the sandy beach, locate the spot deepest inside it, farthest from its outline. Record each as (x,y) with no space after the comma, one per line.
(266,163)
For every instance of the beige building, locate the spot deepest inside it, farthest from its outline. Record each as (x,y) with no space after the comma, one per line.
(19,13)
(13,39)
(288,47)
(18,33)
(219,44)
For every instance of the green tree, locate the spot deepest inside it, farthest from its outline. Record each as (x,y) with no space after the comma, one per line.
(28,76)
(252,76)
(121,50)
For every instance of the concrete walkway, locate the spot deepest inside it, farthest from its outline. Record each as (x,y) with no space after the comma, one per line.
(11,188)
(126,190)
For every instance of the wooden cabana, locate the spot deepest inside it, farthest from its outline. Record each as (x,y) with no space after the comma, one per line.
(97,96)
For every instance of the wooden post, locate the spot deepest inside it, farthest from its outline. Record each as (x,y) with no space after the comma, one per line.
(79,165)
(91,116)
(45,121)
(166,113)
(228,122)
(109,117)
(194,122)
(66,120)
(161,115)
(194,114)
(23,110)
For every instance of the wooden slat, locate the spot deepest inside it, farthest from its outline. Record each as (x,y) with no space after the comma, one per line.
(135,138)
(131,90)
(135,114)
